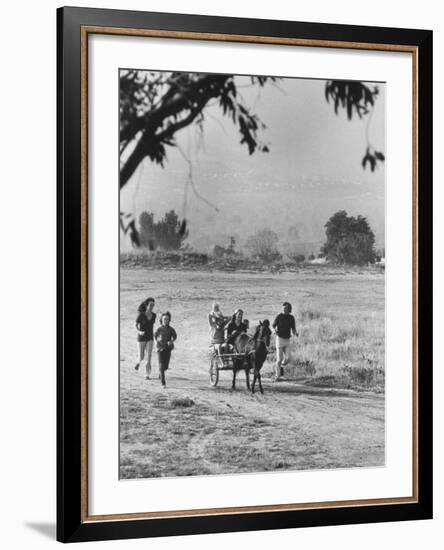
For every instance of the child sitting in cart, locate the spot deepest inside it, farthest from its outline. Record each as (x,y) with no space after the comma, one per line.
(217,324)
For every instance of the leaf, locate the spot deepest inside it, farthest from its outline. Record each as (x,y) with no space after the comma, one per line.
(327,92)
(349,108)
(379,155)
(365,159)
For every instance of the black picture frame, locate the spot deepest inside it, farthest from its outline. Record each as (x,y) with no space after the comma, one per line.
(72,522)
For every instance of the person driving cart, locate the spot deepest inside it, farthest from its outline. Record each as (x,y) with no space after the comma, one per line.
(235,327)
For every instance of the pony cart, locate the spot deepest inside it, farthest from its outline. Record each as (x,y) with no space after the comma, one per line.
(247,353)
(227,361)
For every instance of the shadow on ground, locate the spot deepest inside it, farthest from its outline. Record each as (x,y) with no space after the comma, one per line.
(290,388)
(282,387)
(46,529)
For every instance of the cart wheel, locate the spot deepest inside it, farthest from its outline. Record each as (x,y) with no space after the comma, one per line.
(214,371)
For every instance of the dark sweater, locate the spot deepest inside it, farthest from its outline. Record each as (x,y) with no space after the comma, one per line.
(145,325)
(165,334)
(284,325)
(234,330)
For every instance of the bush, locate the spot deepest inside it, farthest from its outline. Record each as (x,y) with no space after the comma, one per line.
(362,376)
(263,245)
(309,314)
(298,258)
(350,240)
(182,402)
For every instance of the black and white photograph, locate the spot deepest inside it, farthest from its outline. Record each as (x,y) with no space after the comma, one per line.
(252,274)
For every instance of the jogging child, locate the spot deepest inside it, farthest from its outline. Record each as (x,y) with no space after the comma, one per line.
(165,337)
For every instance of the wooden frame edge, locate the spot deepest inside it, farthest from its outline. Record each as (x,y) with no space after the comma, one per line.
(84,273)
(201,512)
(252,39)
(415,280)
(85,31)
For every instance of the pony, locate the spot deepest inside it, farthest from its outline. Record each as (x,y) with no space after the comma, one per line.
(241,345)
(259,353)
(255,351)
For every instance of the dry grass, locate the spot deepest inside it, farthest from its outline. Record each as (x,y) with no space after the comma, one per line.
(339,351)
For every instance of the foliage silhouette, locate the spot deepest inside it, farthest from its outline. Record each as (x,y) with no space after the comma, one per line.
(167,234)
(355,97)
(154,106)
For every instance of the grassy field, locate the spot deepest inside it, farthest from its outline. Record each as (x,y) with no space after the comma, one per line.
(314,419)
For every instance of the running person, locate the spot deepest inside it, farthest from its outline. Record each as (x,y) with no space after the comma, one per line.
(165,336)
(284,326)
(144,325)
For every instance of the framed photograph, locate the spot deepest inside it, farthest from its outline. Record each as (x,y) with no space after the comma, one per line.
(244,274)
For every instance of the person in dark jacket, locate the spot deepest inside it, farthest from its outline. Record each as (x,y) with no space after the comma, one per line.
(284,326)
(165,337)
(235,327)
(144,325)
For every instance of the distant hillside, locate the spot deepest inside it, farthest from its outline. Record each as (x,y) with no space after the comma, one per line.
(247,202)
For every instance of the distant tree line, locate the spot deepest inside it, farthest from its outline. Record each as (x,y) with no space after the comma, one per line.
(349,240)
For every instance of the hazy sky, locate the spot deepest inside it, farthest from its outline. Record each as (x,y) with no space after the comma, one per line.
(312,170)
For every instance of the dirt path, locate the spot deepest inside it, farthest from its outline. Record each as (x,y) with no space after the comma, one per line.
(291,426)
